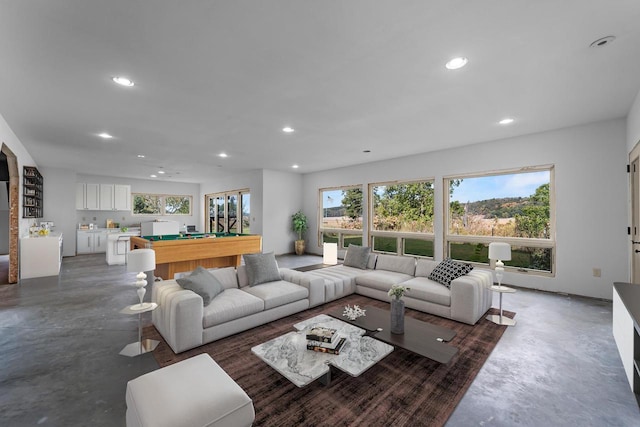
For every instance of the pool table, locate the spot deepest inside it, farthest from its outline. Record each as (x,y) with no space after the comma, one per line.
(176,253)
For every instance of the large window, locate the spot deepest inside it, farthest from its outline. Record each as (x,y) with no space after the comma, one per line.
(401,218)
(161,204)
(515,207)
(340,216)
(229,212)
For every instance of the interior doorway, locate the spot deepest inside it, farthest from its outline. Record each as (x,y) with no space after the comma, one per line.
(9,179)
(634,176)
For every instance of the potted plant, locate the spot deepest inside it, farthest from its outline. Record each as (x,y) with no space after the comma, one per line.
(299,225)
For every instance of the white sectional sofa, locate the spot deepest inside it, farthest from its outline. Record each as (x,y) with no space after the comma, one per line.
(466,300)
(185,323)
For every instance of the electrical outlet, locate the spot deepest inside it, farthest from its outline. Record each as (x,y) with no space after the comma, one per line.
(123,218)
(94,218)
(597,272)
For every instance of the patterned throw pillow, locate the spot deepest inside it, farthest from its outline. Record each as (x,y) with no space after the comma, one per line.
(449,270)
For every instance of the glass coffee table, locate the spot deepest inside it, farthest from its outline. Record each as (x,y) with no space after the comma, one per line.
(419,337)
(288,353)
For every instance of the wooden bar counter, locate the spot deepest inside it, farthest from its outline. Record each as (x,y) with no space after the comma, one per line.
(177,253)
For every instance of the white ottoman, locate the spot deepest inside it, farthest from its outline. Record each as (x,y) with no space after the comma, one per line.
(194,392)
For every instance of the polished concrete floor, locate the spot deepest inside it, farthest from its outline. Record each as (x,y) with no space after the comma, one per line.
(60,339)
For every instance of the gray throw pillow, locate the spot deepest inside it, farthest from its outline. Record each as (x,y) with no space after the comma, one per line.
(449,270)
(261,268)
(357,256)
(202,283)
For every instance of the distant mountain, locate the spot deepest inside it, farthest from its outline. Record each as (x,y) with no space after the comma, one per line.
(506,207)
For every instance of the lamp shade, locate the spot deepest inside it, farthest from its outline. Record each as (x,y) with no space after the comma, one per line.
(141,260)
(330,253)
(500,250)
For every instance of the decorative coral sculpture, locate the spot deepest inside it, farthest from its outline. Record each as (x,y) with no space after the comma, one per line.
(352,313)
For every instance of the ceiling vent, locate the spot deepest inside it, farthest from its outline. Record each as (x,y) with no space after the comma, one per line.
(604,41)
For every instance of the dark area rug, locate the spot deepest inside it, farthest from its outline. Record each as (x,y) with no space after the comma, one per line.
(401,390)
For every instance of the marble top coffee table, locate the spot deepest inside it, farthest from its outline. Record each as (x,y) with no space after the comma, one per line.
(288,353)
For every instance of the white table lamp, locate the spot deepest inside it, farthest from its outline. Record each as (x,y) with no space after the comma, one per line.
(141,260)
(499,252)
(330,253)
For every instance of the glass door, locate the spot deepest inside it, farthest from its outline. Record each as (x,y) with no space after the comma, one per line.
(228,212)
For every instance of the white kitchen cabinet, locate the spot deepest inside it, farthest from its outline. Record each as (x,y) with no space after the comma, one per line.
(40,256)
(92,241)
(106,197)
(115,197)
(122,197)
(87,196)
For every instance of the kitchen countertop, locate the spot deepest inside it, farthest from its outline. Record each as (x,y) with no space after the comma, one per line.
(51,235)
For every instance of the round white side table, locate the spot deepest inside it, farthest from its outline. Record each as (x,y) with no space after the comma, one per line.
(500,319)
(141,346)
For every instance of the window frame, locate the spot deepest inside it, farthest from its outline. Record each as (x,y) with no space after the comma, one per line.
(240,227)
(401,236)
(549,243)
(161,198)
(341,232)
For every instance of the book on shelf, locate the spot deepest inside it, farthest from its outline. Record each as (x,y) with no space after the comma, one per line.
(322,334)
(319,347)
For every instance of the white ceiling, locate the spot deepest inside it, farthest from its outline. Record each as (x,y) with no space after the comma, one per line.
(349,76)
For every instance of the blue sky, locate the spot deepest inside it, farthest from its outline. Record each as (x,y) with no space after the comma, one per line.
(477,188)
(498,186)
(332,198)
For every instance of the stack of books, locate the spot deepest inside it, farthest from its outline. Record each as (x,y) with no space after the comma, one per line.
(325,340)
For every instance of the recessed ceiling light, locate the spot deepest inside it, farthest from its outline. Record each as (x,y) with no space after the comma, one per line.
(223,155)
(105,135)
(122,81)
(506,121)
(141,156)
(161,172)
(287,129)
(456,63)
(603,41)
(153,176)
(295,166)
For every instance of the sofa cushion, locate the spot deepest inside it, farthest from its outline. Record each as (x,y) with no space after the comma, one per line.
(261,268)
(357,256)
(427,290)
(230,305)
(449,270)
(275,294)
(424,267)
(399,264)
(381,279)
(226,275)
(202,283)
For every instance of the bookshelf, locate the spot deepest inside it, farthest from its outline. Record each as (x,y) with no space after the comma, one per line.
(31,193)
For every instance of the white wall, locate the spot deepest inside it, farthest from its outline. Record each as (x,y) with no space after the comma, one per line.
(252,181)
(633,124)
(591,197)
(59,205)
(275,196)
(281,199)
(24,159)
(126,218)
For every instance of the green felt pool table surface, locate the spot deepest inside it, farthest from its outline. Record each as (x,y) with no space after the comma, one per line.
(186,236)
